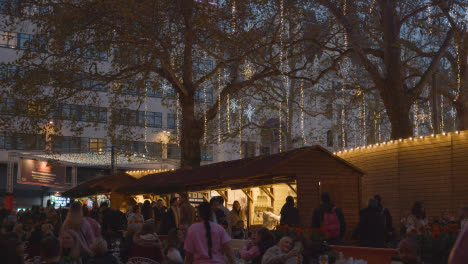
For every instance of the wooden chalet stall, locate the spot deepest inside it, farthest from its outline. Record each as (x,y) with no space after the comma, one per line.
(304,173)
(104,185)
(432,169)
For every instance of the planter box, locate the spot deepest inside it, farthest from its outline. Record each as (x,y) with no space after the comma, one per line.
(372,255)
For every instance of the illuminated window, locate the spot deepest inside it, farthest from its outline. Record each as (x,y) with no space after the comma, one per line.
(96,144)
(7,39)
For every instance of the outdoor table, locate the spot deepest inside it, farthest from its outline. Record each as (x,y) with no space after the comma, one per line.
(372,255)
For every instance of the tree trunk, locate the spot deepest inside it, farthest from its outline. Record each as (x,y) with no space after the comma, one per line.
(191,133)
(398,110)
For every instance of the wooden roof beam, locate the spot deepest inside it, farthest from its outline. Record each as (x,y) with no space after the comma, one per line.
(265,190)
(292,188)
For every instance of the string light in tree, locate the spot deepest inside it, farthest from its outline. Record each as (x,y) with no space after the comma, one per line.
(249,112)
(343,119)
(248,70)
(240,129)
(146,118)
(429,15)
(280,132)
(457,50)
(205,103)
(371,8)
(219,109)
(429,116)
(284,64)
(416,120)
(233,13)
(345,11)
(228,101)
(302,114)
(364,116)
(442,125)
(178,120)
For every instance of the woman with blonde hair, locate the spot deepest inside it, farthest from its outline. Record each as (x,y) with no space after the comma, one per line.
(71,248)
(47,229)
(76,222)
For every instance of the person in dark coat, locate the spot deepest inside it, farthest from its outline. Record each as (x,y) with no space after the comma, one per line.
(159,211)
(172,218)
(328,207)
(289,213)
(371,227)
(389,231)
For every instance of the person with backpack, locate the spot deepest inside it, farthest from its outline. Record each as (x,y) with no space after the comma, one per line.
(329,219)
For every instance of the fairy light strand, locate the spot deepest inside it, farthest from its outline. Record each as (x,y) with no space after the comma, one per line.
(416,120)
(240,128)
(228,101)
(371,8)
(302,114)
(280,128)
(442,125)
(345,11)
(219,109)
(284,65)
(146,118)
(178,120)
(457,50)
(205,104)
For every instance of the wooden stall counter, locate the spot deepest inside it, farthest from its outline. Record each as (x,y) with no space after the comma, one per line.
(372,255)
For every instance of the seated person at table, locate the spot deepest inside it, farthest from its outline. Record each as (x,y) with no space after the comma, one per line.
(254,250)
(175,251)
(282,253)
(101,254)
(146,244)
(73,250)
(50,250)
(238,231)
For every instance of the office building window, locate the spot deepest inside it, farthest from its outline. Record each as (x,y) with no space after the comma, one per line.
(7,106)
(265,151)
(248,149)
(95,144)
(329,111)
(200,95)
(7,39)
(173,151)
(94,114)
(21,141)
(153,119)
(207,153)
(171,121)
(330,136)
(66,143)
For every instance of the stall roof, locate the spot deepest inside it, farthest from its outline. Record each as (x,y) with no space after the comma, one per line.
(236,174)
(103,184)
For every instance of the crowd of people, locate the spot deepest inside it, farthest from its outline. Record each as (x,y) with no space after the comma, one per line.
(81,235)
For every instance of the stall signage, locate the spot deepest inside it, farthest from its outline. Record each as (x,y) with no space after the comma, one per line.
(42,173)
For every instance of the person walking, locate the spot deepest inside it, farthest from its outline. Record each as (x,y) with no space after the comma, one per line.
(146,210)
(389,231)
(159,211)
(289,213)
(207,242)
(187,211)
(329,219)
(237,214)
(172,219)
(226,212)
(371,226)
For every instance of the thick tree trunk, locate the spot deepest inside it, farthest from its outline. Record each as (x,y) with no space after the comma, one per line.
(398,111)
(191,133)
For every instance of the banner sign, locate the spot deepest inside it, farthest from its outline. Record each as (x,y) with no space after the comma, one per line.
(40,172)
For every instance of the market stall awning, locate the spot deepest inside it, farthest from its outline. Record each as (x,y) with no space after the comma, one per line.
(236,174)
(104,184)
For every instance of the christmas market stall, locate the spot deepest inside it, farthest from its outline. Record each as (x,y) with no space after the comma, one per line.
(262,183)
(101,189)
